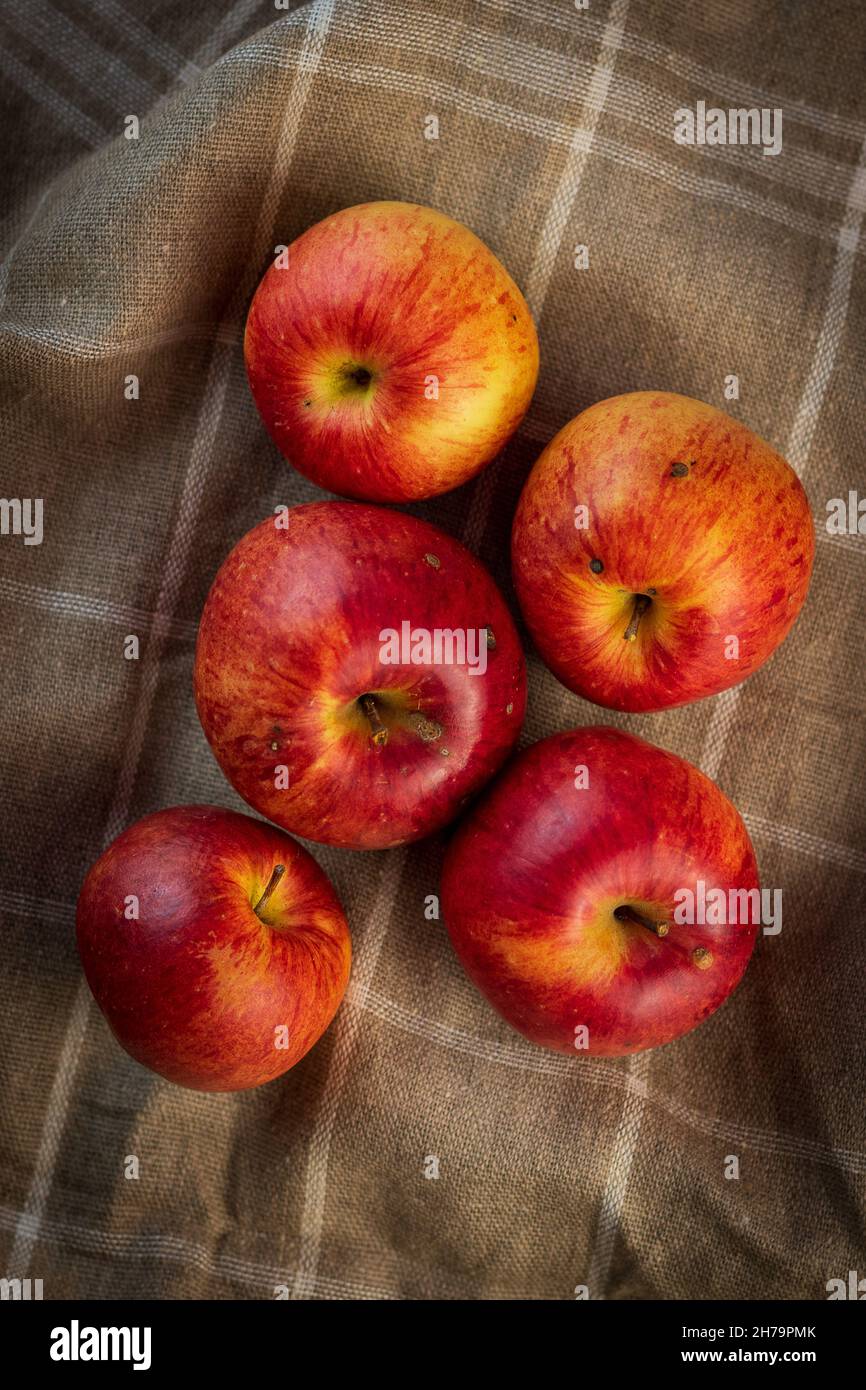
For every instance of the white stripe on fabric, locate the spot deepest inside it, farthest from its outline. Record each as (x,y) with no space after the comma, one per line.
(219,374)
(732,89)
(805,422)
(618,1174)
(558,217)
(347,1028)
(524,1057)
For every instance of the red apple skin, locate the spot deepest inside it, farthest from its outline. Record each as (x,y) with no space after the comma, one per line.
(726,549)
(532,878)
(341,345)
(196,988)
(289,642)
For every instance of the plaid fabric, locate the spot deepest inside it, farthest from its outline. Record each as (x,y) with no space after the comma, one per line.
(137,257)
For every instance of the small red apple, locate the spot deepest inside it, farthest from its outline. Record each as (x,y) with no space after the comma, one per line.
(390,353)
(661,551)
(214,945)
(329,678)
(564,890)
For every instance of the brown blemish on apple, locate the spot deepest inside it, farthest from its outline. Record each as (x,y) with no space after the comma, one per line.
(433,560)
(509,708)
(426,729)
(680,470)
(491,640)
(596,566)
(702,958)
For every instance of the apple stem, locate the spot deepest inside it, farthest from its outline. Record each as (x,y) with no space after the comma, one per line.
(279,870)
(629,914)
(378,732)
(641,604)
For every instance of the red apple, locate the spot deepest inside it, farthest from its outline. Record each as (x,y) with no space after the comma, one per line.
(214,945)
(318,717)
(661,551)
(565,889)
(390,353)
